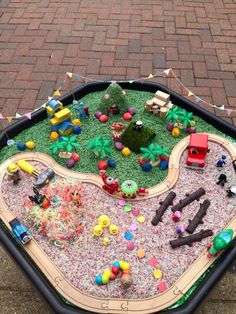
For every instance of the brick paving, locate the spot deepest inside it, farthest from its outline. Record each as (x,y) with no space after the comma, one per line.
(113,39)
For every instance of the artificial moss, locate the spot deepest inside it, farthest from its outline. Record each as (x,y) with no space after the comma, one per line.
(127,167)
(135,139)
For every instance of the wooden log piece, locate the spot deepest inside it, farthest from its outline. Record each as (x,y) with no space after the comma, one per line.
(162,96)
(163,112)
(164,205)
(197,237)
(188,199)
(197,219)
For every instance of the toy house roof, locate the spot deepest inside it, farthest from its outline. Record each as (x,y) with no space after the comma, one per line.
(198,140)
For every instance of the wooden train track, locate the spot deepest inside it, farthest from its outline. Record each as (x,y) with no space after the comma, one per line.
(115,305)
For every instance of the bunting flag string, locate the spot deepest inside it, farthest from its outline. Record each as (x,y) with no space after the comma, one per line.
(168,73)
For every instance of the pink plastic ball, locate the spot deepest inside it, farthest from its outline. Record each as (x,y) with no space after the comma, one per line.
(103,118)
(127,116)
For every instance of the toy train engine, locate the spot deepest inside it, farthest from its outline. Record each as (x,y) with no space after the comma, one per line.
(197,151)
(21,233)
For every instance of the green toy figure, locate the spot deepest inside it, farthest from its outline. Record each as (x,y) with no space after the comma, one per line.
(220,242)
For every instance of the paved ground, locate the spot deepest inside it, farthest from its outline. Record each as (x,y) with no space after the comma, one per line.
(113,39)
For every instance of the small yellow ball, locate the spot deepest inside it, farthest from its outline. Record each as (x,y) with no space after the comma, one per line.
(106,241)
(125,266)
(30,144)
(54,136)
(105,279)
(97,231)
(76,122)
(175,132)
(107,273)
(126,152)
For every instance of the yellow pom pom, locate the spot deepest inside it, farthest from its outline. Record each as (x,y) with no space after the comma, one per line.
(76,122)
(105,279)
(126,152)
(175,132)
(54,136)
(30,144)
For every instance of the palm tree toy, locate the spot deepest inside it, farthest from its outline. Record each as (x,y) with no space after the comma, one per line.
(154,153)
(65,146)
(100,146)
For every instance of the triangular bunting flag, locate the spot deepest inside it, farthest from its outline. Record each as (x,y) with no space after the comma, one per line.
(18,115)
(229,111)
(197,99)
(28,115)
(69,74)
(78,77)
(113,82)
(150,76)
(158,73)
(172,73)
(9,119)
(1,116)
(141,81)
(190,93)
(44,105)
(57,93)
(86,80)
(105,81)
(222,107)
(50,98)
(167,72)
(131,82)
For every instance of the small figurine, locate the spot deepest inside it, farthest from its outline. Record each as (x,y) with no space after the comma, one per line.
(231,191)
(76,198)
(82,110)
(113,110)
(138,125)
(221,162)
(180,230)
(222,240)
(39,198)
(110,185)
(117,128)
(222,179)
(13,172)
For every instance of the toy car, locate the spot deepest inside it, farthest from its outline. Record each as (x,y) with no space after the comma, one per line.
(20,231)
(197,151)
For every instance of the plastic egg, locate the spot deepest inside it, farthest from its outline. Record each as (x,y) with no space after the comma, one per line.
(103,118)
(175,132)
(126,152)
(98,280)
(30,144)
(113,229)
(54,136)
(104,221)
(97,231)
(77,129)
(127,116)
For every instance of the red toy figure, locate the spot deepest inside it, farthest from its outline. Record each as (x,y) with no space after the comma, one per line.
(142,192)
(110,185)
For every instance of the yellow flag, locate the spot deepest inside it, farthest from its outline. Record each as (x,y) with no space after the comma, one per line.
(57,93)
(172,73)
(190,93)
(69,74)
(9,119)
(150,76)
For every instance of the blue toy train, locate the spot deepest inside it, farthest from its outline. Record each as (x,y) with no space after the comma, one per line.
(21,233)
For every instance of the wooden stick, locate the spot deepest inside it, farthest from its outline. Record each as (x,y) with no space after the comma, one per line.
(192,238)
(188,199)
(197,219)
(164,205)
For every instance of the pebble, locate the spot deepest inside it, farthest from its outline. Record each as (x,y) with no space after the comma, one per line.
(128,235)
(127,208)
(122,202)
(140,253)
(157,274)
(141,219)
(162,286)
(133,227)
(153,262)
(135,211)
(130,246)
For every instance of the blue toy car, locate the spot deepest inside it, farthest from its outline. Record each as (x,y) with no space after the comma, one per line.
(20,231)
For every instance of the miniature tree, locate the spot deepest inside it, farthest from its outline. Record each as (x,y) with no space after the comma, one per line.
(100,146)
(154,152)
(65,146)
(186,118)
(135,139)
(116,97)
(173,115)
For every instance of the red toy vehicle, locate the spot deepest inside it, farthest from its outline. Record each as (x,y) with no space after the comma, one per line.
(197,150)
